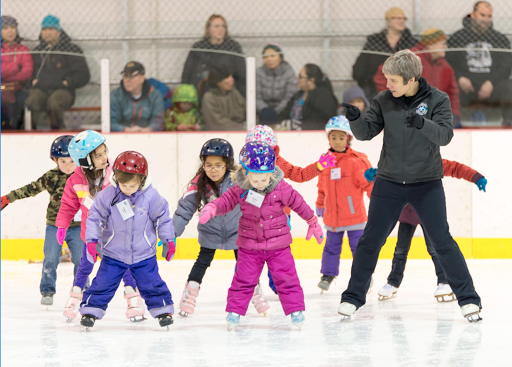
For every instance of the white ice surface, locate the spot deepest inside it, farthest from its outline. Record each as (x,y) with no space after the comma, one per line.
(410,330)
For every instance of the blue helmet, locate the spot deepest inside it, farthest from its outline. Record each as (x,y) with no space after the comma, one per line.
(59,147)
(339,123)
(258,157)
(82,145)
(218,147)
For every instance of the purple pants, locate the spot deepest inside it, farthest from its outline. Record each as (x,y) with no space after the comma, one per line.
(332,250)
(248,269)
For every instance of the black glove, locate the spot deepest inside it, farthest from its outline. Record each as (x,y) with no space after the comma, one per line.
(414,120)
(352,112)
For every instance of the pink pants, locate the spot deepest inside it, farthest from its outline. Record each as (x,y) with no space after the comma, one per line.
(282,267)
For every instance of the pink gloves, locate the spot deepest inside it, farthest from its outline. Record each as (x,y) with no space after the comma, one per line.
(314,230)
(92,253)
(209,211)
(326,161)
(61,235)
(168,249)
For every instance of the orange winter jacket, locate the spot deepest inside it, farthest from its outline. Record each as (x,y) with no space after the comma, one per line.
(343,199)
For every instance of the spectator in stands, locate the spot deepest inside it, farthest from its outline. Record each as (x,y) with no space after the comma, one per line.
(223,106)
(436,70)
(276,83)
(356,97)
(482,75)
(216,38)
(17,66)
(136,106)
(394,38)
(314,104)
(56,75)
(184,114)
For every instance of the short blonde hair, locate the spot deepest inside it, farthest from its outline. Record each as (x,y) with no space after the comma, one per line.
(248,174)
(405,64)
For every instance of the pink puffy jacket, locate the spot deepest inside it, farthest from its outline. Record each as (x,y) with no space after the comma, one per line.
(75,193)
(264,228)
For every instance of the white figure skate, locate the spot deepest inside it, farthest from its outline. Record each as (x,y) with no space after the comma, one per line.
(135,310)
(346,310)
(259,301)
(444,290)
(387,292)
(71,307)
(188,298)
(471,312)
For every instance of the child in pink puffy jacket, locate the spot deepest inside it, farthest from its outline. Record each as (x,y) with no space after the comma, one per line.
(263,232)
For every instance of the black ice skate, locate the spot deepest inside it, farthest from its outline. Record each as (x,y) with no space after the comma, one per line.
(325,282)
(165,320)
(87,321)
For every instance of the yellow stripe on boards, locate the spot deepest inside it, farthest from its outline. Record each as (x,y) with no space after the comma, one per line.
(188,248)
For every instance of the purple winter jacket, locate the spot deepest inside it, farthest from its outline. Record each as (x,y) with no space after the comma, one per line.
(132,240)
(264,228)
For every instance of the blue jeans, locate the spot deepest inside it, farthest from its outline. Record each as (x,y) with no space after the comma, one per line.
(52,251)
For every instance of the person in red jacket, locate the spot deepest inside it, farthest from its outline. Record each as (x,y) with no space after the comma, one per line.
(341,198)
(17,66)
(409,220)
(436,69)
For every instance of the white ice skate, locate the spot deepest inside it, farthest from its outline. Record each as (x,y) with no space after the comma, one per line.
(444,290)
(233,320)
(188,298)
(387,292)
(298,319)
(71,308)
(471,312)
(346,310)
(136,308)
(259,301)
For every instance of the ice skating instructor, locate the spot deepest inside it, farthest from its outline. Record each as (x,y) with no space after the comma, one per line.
(417,120)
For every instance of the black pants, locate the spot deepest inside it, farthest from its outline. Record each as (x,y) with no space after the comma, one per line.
(403,245)
(204,259)
(387,202)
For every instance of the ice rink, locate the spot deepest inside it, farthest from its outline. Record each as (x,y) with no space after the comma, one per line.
(410,330)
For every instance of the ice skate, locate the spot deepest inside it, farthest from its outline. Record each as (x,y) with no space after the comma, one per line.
(70,310)
(136,308)
(471,312)
(87,321)
(165,320)
(259,301)
(298,319)
(47,300)
(387,292)
(233,320)
(346,310)
(325,282)
(444,290)
(188,299)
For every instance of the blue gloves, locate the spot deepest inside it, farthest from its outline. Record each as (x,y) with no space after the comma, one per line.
(370,174)
(320,212)
(481,184)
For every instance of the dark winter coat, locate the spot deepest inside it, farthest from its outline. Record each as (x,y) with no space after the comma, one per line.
(408,155)
(274,88)
(479,66)
(51,69)
(367,64)
(199,62)
(320,105)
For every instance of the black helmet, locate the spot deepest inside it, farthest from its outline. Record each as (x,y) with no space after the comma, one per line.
(219,147)
(59,147)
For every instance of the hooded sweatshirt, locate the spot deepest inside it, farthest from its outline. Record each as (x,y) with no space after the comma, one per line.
(175,117)
(356,92)
(223,111)
(479,65)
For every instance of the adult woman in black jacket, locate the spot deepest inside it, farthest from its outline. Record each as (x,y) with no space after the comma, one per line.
(314,104)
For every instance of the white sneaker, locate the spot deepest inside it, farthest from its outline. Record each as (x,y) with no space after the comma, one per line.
(471,312)
(346,310)
(387,292)
(444,290)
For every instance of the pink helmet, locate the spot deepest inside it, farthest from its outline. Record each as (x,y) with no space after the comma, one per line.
(262,134)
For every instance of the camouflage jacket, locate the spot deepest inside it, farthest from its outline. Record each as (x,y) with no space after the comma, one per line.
(52,181)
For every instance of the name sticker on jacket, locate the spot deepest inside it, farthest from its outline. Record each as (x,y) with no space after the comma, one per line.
(335,173)
(78,216)
(88,202)
(255,199)
(125,209)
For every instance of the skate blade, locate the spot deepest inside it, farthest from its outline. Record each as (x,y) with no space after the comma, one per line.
(323,288)
(183,313)
(231,325)
(298,324)
(135,319)
(474,317)
(69,320)
(442,300)
(265,313)
(384,298)
(345,318)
